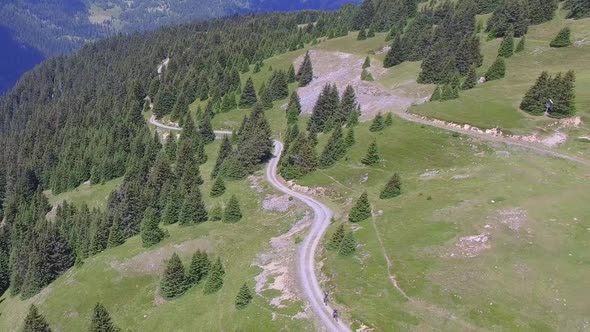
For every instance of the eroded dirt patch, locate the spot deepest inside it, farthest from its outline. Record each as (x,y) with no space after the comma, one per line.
(515,218)
(278,203)
(343,69)
(153,261)
(471,246)
(278,266)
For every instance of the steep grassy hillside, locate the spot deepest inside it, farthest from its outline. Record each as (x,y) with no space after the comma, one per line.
(126,278)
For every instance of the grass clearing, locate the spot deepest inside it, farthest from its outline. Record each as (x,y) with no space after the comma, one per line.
(521,282)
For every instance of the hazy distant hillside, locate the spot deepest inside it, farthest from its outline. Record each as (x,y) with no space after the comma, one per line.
(60,27)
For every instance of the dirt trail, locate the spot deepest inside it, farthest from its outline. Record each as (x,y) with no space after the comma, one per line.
(306,258)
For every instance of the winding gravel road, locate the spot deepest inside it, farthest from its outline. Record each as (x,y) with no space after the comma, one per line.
(306,260)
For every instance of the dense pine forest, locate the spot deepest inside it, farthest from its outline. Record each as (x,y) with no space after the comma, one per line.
(80,118)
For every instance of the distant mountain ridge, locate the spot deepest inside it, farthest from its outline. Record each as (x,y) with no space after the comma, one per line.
(52,28)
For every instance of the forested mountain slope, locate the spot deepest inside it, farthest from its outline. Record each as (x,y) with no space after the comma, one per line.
(408,198)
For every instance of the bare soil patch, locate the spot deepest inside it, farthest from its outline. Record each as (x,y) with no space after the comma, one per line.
(345,69)
(471,246)
(278,266)
(153,261)
(278,203)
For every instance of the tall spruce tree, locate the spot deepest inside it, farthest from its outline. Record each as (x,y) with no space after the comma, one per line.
(537,96)
(305,72)
(378,123)
(388,120)
(348,245)
(520,45)
(225,150)
(347,106)
(218,187)
(497,70)
(232,213)
(199,268)
(174,281)
(510,13)
(324,109)
(35,322)
(361,209)
(336,238)
(367,62)
(244,297)
(564,91)
(248,97)
(507,45)
(291,75)
(372,156)
(300,159)
(206,130)
(436,94)
(362,35)
(396,53)
(392,188)
(562,39)
(151,233)
(101,320)
(364,15)
(193,209)
(293,108)
(349,140)
(577,8)
(470,81)
(279,87)
(334,149)
(214,281)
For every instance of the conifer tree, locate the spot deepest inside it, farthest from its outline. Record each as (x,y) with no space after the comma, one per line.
(392,188)
(193,209)
(300,159)
(35,322)
(151,233)
(497,70)
(218,187)
(520,45)
(116,235)
(225,150)
(291,76)
(362,35)
(265,97)
(216,213)
(537,96)
(244,297)
(562,39)
(507,45)
(510,13)
(471,80)
(174,281)
(361,209)
(293,108)
(214,281)
(349,140)
(436,95)
(564,100)
(378,123)
(278,85)
(348,245)
(334,149)
(324,109)
(367,62)
(396,53)
(199,268)
(371,32)
(248,97)
(232,213)
(366,75)
(206,130)
(388,119)
(353,118)
(577,8)
(347,107)
(101,320)
(173,205)
(171,147)
(305,72)
(372,156)
(228,102)
(364,15)
(336,238)
(449,92)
